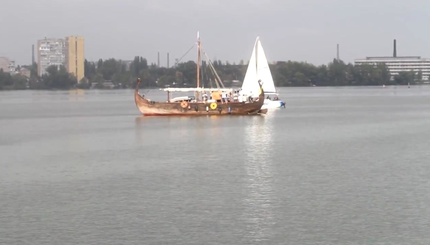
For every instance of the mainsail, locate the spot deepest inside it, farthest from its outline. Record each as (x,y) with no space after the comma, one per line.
(263,71)
(258,69)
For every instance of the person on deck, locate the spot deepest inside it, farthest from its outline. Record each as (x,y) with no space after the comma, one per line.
(235,97)
(224,97)
(250,97)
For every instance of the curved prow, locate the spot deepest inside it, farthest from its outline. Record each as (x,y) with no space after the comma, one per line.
(136,91)
(137,97)
(261,95)
(137,85)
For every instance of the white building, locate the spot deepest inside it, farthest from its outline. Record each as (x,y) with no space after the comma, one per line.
(7,65)
(396,64)
(400,64)
(12,67)
(50,51)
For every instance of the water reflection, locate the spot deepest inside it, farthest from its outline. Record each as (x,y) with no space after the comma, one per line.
(177,127)
(76,95)
(258,214)
(142,125)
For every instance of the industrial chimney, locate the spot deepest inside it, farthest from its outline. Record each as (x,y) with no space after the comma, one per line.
(394,49)
(158,62)
(32,54)
(337,53)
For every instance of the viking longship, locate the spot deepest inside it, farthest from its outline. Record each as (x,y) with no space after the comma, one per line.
(200,104)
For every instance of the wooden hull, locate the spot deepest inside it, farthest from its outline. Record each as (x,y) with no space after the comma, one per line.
(150,108)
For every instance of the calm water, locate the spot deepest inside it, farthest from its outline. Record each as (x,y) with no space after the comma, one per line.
(337,166)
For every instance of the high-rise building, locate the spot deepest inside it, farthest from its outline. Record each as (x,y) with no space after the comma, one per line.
(75,56)
(50,51)
(68,52)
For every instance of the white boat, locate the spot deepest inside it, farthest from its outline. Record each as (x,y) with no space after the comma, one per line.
(258,69)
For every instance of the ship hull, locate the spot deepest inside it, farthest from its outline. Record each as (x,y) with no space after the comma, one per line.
(151,108)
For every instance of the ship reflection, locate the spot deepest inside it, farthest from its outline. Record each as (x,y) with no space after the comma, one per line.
(258,213)
(185,128)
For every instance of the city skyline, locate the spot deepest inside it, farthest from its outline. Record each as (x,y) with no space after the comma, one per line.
(293,30)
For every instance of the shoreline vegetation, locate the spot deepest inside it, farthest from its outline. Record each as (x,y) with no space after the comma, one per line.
(117,74)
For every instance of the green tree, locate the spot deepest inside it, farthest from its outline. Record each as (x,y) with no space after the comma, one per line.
(109,68)
(19,82)
(137,65)
(58,78)
(165,80)
(99,64)
(337,73)
(97,81)
(89,69)
(83,83)
(403,78)
(6,80)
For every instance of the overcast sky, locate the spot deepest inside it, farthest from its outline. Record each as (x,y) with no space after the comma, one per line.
(299,30)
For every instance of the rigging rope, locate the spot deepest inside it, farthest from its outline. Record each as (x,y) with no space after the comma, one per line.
(215,73)
(206,75)
(217,79)
(185,54)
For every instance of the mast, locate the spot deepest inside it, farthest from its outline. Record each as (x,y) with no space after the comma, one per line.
(198,64)
(256,57)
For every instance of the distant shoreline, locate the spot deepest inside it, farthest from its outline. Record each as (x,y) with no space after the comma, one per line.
(156,88)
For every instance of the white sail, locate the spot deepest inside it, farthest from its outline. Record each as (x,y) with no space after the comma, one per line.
(263,70)
(250,83)
(258,69)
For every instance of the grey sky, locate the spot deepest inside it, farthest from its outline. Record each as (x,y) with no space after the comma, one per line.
(301,30)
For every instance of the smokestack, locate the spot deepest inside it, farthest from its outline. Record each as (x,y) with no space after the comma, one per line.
(395,49)
(337,55)
(167,60)
(32,54)
(158,63)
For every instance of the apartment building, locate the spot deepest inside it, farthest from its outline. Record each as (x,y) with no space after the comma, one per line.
(75,56)
(67,52)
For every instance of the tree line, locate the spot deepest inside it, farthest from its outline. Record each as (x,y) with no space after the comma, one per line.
(121,74)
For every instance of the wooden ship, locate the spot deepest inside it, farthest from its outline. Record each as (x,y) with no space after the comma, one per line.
(199,104)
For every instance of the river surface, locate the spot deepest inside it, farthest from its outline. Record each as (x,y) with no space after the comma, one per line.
(337,166)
